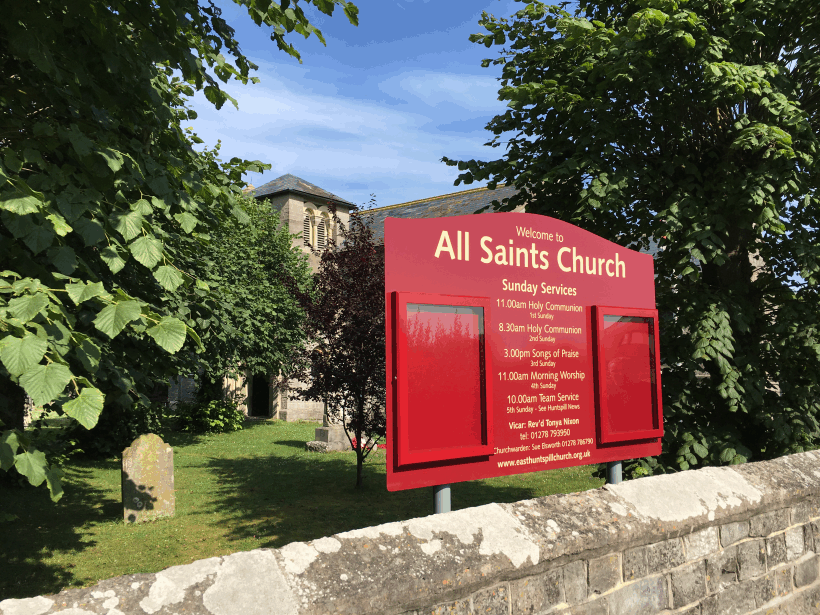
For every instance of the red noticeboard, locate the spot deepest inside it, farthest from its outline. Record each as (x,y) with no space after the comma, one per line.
(516,343)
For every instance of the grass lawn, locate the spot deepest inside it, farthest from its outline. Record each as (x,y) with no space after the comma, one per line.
(234,492)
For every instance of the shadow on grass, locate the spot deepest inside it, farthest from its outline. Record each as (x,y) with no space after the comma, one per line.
(277,500)
(43,529)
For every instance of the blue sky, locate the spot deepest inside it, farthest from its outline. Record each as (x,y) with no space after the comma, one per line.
(375,110)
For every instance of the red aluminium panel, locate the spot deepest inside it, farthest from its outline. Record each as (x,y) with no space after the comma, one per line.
(628,400)
(441,368)
(537,280)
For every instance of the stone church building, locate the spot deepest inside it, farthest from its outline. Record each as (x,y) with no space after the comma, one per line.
(303,208)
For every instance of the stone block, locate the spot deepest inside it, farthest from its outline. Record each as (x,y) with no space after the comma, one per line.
(700,544)
(493,601)
(731,533)
(783,581)
(536,594)
(635,564)
(688,584)
(794,543)
(644,597)
(769,523)
(596,607)
(664,555)
(776,550)
(801,512)
(334,436)
(805,572)
(575,582)
(147,479)
(765,589)
(459,607)
(734,600)
(604,573)
(721,570)
(751,559)
(808,537)
(806,603)
(692,610)
(315,446)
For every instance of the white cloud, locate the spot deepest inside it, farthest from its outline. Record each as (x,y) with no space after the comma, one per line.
(475,93)
(349,146)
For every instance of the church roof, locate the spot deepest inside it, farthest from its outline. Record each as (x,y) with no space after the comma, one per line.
(446,205)
(291,183)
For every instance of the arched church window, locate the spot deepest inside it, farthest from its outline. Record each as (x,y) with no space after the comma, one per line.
(307,229)
(322,233)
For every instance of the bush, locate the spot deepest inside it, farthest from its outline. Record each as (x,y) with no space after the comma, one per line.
(215,416)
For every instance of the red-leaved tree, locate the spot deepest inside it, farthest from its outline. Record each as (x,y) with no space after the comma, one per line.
(343,363)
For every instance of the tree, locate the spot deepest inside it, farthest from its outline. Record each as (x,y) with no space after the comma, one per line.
(103,195)
(693,125)
(343,363)
(252,321)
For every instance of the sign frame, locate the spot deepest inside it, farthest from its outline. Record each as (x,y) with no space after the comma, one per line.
(543,278)
(605,434)
(407,456)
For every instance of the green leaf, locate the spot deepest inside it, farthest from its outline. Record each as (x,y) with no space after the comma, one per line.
(727,454)
(112,258)
(32,465)
(700,450)
(112,158)
(187,221)
(20,204)
(143,207)
(169,333)
(82,144)
(44,383)
(86,407)
(128,224)
(19,354)
(113,318)
(83,291)
(194,336)
(61,227)
(54,477)
(64,259)
(19,226)
(240,215)
(39,238)
(8,449)
(168,277)
(147,250)
(89,354)
(90,230)
(28,306)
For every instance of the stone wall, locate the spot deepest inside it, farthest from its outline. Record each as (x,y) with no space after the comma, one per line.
(717,541)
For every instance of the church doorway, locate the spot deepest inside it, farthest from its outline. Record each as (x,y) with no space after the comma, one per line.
(260,395)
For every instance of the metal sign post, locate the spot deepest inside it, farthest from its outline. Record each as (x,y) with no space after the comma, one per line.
(442,499)
(614,472)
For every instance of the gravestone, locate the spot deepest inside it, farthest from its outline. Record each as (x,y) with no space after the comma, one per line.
(330,437)
(147,479)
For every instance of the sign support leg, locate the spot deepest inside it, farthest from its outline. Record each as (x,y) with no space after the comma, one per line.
(442,498)
(614,472)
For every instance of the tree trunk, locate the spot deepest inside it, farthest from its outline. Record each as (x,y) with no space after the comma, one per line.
(12,405)
(359,457)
